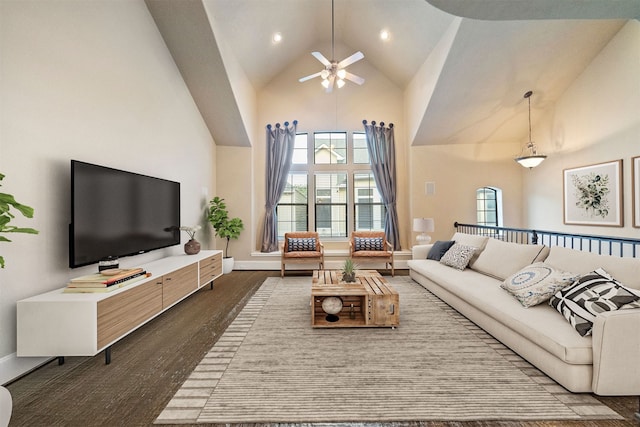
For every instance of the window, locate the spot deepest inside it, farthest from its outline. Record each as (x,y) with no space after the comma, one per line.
(337,175)
(489,206)
(369,210)
(292,209)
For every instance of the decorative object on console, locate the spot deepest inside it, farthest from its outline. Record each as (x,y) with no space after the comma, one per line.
(635,190)
(192,247)
(593,194)
(529,158)
(334,72)
(423,226)
(6,202)
(225,227)
(591,294)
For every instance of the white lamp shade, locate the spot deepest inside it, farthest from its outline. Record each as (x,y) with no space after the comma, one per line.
(423,225)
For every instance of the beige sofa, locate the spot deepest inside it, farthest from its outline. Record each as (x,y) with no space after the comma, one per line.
(606,362)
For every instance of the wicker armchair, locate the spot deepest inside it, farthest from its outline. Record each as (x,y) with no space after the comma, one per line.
(371,246)
(301,247)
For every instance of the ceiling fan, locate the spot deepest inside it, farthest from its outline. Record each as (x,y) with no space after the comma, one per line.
(334,72)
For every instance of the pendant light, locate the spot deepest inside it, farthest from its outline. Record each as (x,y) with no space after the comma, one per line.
(529,158)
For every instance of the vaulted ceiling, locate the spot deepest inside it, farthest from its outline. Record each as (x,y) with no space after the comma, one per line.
(489,58)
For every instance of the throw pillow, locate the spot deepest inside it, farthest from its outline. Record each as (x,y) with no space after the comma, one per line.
(297,244)
(458,256)
(369,244)
(536,283)
(438,249)
(591,294)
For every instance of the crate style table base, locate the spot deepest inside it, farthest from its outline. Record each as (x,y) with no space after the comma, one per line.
(369,302)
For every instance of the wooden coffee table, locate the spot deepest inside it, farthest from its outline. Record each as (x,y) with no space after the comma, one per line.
(369,302)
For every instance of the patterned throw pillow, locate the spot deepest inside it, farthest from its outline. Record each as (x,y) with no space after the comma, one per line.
(297,244)
(369,244)
(438,249)
(591,294)
(458,256)
(536,283)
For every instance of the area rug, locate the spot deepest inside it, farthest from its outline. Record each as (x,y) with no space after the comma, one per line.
(271,366)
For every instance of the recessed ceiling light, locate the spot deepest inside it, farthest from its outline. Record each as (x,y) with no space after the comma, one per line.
(277,38)
(385,35)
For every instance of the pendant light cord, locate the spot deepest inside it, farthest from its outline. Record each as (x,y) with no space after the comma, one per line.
(332,33)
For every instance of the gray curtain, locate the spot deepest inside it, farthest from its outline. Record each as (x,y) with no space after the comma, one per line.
(382,153)
(280,142)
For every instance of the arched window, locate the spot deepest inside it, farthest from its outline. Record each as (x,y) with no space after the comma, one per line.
(489,206)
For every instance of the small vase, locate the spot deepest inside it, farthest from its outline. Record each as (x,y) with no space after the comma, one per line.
(192,247)
(349,277)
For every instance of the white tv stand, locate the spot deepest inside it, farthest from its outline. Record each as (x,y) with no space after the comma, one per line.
(61,324)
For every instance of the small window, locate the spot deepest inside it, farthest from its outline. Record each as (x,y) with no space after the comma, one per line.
(300,149)
(489,206)
(330,148)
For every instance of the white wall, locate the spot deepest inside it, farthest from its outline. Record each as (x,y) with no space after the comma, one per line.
(91,81)
(596,120)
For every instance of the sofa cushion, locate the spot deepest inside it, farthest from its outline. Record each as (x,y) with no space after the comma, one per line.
(439,248)
(368,244)
(626,270)
(298,244)
(474,240)
(458,256)
(592,293)
(502,259)
(536,283)
(540,324)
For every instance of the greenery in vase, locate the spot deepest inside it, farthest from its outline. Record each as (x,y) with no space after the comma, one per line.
(6,202)
(225,227)
(349,270)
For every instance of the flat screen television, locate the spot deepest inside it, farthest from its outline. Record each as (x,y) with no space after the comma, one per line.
(115,213)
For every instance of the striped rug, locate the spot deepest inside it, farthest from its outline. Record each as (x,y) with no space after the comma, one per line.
(270,366)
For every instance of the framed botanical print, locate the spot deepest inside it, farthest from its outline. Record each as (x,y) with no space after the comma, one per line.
(635,190)
(593,195)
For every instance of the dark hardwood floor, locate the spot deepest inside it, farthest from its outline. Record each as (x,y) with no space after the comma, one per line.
(149,365)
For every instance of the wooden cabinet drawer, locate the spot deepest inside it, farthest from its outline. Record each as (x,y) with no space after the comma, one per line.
(210,268)
(179,283)
(123,312)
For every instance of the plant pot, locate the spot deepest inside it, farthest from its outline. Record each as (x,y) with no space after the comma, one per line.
(192,247)
(349,277)
(227,265)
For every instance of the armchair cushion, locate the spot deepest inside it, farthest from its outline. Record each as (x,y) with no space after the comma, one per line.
(369,244)
(297,244)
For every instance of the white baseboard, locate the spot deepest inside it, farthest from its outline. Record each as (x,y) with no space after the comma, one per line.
(12,366)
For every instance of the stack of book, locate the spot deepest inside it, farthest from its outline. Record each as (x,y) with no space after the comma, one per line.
(106,280)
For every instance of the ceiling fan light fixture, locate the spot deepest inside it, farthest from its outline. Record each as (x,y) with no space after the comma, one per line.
(340,83)
(325,83)
(324,74)
(342,74)
(529,158)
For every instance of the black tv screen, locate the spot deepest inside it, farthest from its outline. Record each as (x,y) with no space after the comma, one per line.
(115,213)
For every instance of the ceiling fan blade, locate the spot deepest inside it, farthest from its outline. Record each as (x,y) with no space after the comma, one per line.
(309,77)
(320,57)
(350,60)
(356,79)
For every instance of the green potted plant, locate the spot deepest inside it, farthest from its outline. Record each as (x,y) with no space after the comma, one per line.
(6,202)
(349,271)
(225,227)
